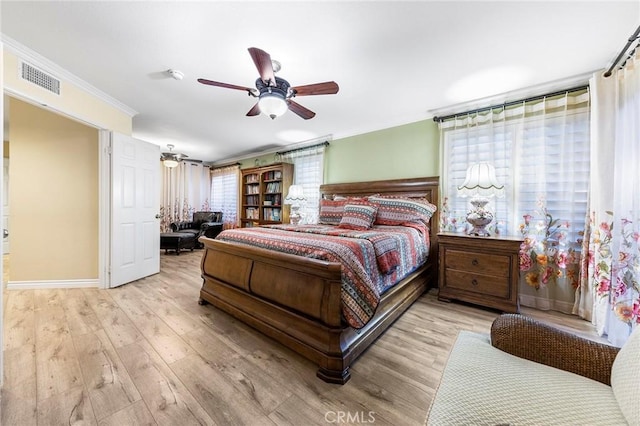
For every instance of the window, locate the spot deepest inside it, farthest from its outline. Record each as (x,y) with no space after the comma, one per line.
(308,171)
(540,152)
(224,194)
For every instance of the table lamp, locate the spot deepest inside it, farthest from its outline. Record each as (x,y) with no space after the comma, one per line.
(295,198)
(480,184)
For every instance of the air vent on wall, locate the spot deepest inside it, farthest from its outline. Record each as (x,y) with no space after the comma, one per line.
(40,78)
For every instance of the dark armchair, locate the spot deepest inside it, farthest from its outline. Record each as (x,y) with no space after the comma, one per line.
(208,224)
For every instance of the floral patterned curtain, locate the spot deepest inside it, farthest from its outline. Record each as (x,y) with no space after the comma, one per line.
(185,189)
(609,289)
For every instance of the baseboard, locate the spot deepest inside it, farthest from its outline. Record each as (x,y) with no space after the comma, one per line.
(545,304)
(53,284)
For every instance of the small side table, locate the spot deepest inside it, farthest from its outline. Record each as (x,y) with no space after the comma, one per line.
(480,270)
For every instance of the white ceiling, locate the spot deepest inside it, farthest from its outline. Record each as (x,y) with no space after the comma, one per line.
(395,62)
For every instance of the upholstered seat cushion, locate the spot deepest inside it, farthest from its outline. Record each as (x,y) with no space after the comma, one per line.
(625,378)
(482,385)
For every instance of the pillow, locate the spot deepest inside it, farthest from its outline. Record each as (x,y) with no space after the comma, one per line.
(398,211)
(331,211)
(358,216)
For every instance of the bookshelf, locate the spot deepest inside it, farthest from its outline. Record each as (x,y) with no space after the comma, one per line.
(262,194)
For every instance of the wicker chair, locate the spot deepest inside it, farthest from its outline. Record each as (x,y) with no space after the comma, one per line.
(530,339)
(529,373)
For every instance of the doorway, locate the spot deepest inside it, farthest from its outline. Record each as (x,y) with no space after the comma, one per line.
(53,187)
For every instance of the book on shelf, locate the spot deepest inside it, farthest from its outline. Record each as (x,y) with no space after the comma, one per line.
(273,199)
(273,175)
(271,214)
(251,213)
(252,189)
(273,187)
(252,199)
(252,178)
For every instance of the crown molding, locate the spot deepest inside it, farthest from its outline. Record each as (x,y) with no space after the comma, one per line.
(515,95)
(34,58)
(294,146)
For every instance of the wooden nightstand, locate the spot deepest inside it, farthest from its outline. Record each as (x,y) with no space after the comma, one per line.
(481,270)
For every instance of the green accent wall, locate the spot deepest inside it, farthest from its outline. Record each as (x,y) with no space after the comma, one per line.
(407,151)
(263,160)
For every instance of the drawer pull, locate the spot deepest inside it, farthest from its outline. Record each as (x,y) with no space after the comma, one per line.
(475,262)
(474,282)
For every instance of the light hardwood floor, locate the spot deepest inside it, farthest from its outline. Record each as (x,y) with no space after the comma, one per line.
(147,353)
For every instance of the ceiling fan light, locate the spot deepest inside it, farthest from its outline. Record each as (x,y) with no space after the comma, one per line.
(170,163)
(272,104)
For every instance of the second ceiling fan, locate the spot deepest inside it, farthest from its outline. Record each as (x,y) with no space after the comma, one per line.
(274,93)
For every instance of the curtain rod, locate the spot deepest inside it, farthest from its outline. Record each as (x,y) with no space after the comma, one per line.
(222,166)
(511,103)
(623,52)
(325,143)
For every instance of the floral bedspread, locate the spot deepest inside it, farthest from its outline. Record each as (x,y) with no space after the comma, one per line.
(372,260)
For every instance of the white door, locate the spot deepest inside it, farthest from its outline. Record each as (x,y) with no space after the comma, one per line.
(5,206)
(135,198)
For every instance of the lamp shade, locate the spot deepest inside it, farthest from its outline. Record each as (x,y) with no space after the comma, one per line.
(295,195)
(481,181)
(272,104)
(170,163)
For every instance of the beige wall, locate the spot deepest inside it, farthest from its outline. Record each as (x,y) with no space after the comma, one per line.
(73,101)
(53,196)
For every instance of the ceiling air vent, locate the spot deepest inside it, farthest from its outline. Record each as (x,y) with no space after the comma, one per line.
(40,78)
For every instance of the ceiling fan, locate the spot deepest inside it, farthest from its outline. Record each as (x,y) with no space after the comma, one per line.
(274,93)
(171,159)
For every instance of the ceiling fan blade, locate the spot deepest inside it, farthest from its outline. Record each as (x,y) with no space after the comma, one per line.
(254,111)
(300,110)
(264,65)
(225,85)
(326,88)
(174,155)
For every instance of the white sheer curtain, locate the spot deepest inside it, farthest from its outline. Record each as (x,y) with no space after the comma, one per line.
(540,150)
(185,189)
(224,194)
(610,289)
(308,171)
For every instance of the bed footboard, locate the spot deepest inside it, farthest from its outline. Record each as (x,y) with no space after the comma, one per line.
(291,299)
(297,302)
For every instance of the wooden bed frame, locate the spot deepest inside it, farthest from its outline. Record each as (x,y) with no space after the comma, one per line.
(296,300)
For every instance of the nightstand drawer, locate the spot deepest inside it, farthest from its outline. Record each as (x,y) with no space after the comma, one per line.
(477,283)
(487,264)
(481,270)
